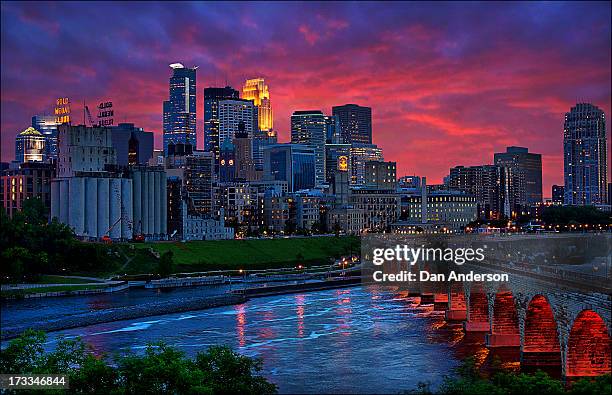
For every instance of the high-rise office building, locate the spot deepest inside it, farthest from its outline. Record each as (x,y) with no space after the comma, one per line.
(355,123)
(337,157)
(212,96)
(528,169)
(195,169)
(491,185)
(232,114)
(243,148)
(360,155)
(293,163)
(227,162)
(47,126)
(585,155)
(332,130)
(257,91)
(308,128)
(180,108)
(260,141)
(30,180)
(30,146)
(557,194)
(381,175)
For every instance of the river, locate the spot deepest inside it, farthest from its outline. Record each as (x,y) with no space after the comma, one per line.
(359,339)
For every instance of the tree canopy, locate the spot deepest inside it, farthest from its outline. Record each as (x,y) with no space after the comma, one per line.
(162,369)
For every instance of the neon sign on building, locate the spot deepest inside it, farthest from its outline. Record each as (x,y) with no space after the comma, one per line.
(62,110)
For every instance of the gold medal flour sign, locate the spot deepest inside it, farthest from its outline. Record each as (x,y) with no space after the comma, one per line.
(106,113)
(62,110)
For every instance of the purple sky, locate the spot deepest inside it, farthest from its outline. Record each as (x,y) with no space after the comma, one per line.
(449,84)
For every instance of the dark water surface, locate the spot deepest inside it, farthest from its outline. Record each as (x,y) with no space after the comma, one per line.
(360,339)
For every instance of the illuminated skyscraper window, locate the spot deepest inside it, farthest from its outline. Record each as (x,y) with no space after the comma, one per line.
(180,108)
(585,155)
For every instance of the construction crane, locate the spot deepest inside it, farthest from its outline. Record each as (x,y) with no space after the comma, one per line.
(106,238)
(123,217)
(91,120)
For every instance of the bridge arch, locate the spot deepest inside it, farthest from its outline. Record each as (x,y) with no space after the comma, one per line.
(588,347)
(505,324)
(540,327)
(541,345)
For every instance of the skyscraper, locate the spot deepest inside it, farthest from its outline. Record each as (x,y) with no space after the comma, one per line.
(585,155)
(195,169)
(493,187)
(257,91)
(355,123)
(30,146)
(308,128)
(180,108)
(332,130)
(212,96)
(227,162)
(337,157)
(243,148)
(294,163)
(260,141)
(47,126)
(232,114)
(528,170)
(360,155)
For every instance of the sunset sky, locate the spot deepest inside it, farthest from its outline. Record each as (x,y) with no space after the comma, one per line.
(449,84)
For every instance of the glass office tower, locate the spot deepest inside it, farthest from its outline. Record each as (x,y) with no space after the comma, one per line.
(309,128)
(294,163)
(212,96)
(585,155)
(180,108)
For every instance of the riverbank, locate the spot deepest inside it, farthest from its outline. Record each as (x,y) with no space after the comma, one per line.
(248,254)
(173,306)
(293,288)
(26,291)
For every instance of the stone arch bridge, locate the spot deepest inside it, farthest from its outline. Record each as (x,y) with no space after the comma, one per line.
(557,319)
(555,307)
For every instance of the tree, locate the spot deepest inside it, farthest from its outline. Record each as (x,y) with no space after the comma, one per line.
(469,380)
(33,212)
(564,215)
(597,385)
(337,229)
(231,373)
(165,266)
(161,369)
(290,227)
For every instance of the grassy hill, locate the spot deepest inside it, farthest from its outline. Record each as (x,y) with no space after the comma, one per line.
(254,254)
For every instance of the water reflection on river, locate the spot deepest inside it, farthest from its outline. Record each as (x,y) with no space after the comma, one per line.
(347,340)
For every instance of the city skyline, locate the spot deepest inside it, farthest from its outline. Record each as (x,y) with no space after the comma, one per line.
(426,77)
